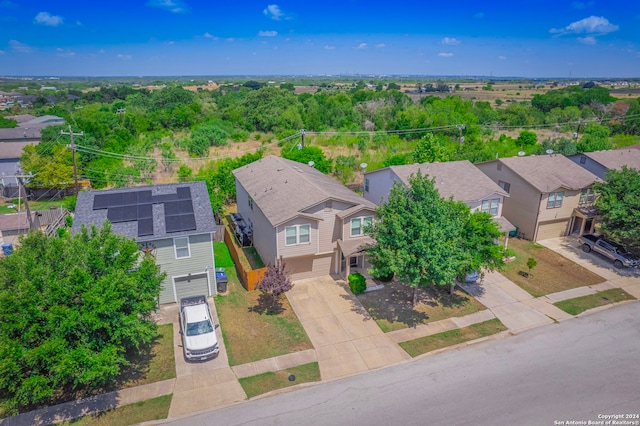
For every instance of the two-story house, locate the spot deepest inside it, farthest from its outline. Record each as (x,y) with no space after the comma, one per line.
(297,214)
(549,195)
(600,162)
(459,180)
(173,222)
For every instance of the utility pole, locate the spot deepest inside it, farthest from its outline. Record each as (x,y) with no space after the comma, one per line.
(302,136)
(23,191)
(121,111)
(73,153)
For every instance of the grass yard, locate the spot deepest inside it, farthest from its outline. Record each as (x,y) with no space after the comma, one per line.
(249,334)
(155,364)
(151,409)
(34,205)
(452,337)
(266,382)
(580,304)
(391,307)
(553,272)
(253,257)
(221,255)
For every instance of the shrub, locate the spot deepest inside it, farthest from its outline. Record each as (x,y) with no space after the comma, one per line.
(357,283)
(384,278)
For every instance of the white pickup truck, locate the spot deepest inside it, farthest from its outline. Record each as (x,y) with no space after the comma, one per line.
(199,340)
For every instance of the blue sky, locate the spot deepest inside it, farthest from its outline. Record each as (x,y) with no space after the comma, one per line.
(562,38)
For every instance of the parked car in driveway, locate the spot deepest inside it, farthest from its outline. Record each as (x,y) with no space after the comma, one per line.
(199,340)
(609,249)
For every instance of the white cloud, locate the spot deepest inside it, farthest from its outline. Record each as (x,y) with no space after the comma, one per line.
(587,40)
(381,45)
(328,47)
(173,6)
(502,57)
(582,5)
(124,57)
(450,41)
(478,15)
(267,33)
(590,25)
(445,54)
(65,53)
(274,12)
(45,18)
(19,47)
(212,37)
(362,46)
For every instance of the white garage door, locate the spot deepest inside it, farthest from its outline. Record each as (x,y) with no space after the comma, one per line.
(552,230)
(195,285)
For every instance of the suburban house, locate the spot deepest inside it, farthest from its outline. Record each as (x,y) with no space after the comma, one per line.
(13,225)
(297,214)
(172,222)
(459,180)
(549,195)
(13,140)
(600,162)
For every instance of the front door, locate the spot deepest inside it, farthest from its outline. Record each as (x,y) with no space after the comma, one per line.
(353,261)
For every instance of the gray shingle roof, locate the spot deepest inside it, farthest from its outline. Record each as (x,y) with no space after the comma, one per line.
(550,172)
(205,223)
(458,179)
(616,159)
(283,188)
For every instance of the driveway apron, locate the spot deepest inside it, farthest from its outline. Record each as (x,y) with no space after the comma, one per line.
(346,339)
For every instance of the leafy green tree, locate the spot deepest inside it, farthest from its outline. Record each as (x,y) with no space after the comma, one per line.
(617,203)
(306,154)
(53,168)
(427,240)
(345,167)
(7,122)
(429,150)
(595,138)
(71,309)
(396,160)
(184,173)
(203,136)
(527,138)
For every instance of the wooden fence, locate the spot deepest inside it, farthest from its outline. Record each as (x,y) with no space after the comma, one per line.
(248,277)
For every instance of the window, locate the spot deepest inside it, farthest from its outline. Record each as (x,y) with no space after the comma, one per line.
(250,202)
(491,206)
(366,185)
(358,225)
(297,234)
(583,160)
(504,185)
(587,196)
(555,200)
(181,246)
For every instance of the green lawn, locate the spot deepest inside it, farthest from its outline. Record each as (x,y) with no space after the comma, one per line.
(144,411)
(452,337)
(553,272)
(34,205)
(266,382)
(580,304)
(249,333)
(221,255)
(391,306)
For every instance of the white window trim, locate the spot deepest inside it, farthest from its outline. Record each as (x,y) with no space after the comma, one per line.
(492,202)
(555,200)
(297,228)
(175,247)
(361,219)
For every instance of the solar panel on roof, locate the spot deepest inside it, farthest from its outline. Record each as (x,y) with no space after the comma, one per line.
(116,200)
(145,227)
(115,214)
(171,208)
(100,201)
(145,197)
(130,198)
(187,222)
(130,213)
(145,211)
(184,193)
(186,206)
(172,224)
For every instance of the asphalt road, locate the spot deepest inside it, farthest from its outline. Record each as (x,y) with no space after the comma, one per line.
(578,370)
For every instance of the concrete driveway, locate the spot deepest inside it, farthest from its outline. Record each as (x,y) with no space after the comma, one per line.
(200,385)
(347,340)
(570,248)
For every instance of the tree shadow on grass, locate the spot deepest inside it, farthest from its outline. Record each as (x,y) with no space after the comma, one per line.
(266,305)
